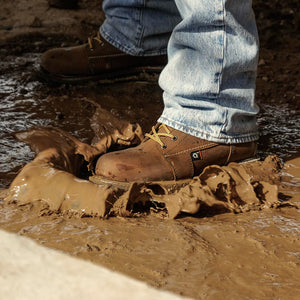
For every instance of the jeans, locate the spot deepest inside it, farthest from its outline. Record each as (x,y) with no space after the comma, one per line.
(212,47)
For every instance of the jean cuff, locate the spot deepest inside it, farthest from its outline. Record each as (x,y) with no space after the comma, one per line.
(114,38)
(221,138)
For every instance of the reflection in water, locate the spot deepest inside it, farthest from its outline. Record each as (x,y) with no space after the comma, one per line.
(188,255)
(279,125)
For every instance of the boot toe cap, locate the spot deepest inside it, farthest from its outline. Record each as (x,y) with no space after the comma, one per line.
(50,60)
(125,165)
(107,166)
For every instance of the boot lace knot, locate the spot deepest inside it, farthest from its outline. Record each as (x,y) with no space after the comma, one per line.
(155,136)
(96,39)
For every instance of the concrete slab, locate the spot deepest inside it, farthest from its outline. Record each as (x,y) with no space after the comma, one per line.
(31,271)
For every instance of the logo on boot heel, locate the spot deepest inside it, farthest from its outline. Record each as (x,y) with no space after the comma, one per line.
(197,155)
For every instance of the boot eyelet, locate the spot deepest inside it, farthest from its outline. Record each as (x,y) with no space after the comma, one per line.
(164,147)
(174,138)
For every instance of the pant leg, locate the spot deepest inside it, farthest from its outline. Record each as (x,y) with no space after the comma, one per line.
(209,82)
(139,27)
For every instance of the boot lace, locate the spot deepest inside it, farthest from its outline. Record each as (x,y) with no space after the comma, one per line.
(155,136)
(94,38)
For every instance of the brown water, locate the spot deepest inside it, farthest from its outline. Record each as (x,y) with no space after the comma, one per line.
(211,255)
(253,255)
(26,103)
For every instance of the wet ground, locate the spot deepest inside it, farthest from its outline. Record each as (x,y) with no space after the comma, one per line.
(253,255)
(26,103)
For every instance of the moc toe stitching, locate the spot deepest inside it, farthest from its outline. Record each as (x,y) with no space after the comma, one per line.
(108,56)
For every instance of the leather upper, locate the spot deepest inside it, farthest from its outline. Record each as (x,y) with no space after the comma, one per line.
(182,158)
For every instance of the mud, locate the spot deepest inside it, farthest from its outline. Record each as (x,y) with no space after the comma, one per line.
(52,178)
(228,249)
(208,256)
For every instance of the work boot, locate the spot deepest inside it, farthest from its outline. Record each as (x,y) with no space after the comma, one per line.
(95,60)
(167,154)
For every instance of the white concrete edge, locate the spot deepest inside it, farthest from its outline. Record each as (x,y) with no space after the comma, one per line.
(31,271)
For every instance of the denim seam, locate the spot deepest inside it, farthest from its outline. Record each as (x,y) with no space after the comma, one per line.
(139,16)
(141,26)
(220,73)
(224,43)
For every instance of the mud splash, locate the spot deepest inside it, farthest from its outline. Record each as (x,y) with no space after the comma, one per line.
(191,256)
(253,255)
(52,177)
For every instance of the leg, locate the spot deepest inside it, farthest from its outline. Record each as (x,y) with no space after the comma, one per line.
(139,27)
(133,39)
(209,84)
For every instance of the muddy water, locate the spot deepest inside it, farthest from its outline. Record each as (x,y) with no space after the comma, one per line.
(26,103)
(253,255)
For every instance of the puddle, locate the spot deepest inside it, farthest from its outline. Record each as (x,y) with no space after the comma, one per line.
(26,103)
(196,256)
(287,225)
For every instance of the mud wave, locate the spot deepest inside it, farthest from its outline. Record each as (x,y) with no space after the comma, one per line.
(52,177)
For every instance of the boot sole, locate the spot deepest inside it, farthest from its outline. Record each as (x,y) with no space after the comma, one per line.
(168,186)
(147,73)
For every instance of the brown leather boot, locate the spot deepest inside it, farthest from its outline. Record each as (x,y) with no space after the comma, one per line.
(95,60)
(168,154)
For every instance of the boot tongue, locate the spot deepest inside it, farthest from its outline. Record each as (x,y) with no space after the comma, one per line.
(160,128)
(163,128)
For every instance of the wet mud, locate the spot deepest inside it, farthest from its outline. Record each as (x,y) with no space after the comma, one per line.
(243,239)
(205,256)
(53,178)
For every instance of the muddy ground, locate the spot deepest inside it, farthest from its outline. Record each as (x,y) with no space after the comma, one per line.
(253,255)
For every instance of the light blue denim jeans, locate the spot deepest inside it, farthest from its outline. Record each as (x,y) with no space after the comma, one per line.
(212,47)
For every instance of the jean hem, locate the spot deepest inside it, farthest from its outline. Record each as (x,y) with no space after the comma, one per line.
(221,138)
(110,36)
